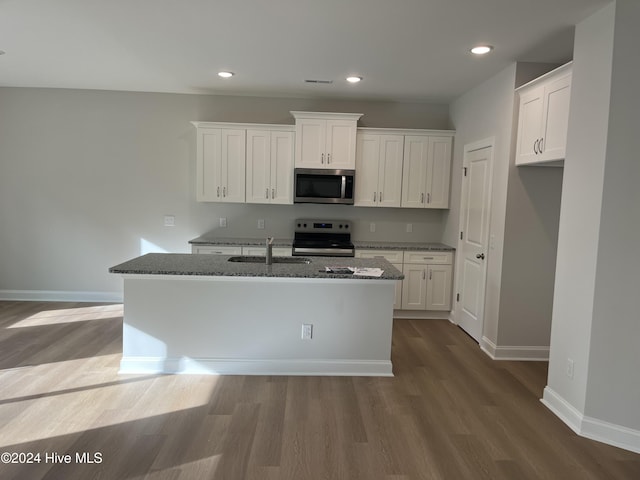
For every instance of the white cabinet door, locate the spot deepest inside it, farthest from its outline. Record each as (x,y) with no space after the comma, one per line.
(340,146)
(438,172)
(269,167)
(367,170)
(310,143)
(282,167)
(390,170)
(233,165)
(414,171)
(529,125)
(258,166)
(208,165)
(438,287)
(414,287)
(555,119)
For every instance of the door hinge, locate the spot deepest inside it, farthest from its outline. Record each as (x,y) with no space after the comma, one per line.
(457,297)
(461,235)
(465,171)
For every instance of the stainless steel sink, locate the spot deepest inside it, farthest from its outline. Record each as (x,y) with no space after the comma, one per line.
(257,259)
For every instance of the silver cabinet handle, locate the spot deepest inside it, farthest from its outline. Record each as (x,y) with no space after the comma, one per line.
(273,193)
(224,191)
(322,158)
(266,193)
(374,197)
(422,198)
(540,145)
(328,158)
(430,274)
(218,192)
(427,258)
(380,197)
(428,198)
(535,147)
(423,275)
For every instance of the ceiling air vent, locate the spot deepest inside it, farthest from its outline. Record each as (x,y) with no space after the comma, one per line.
(325,82)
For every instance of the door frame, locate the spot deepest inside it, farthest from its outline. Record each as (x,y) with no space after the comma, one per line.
(489,142)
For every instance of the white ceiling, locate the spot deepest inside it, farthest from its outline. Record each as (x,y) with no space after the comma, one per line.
(406,50)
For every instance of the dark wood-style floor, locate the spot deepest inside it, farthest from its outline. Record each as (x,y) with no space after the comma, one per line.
(449,413)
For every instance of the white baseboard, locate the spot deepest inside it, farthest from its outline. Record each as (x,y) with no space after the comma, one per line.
(224,366)
(589,427)
(60,296)
(519,353)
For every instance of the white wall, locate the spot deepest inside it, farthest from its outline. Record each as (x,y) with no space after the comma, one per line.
(595,314)
(87,176)
(525,208)
(613,387)
(486,111)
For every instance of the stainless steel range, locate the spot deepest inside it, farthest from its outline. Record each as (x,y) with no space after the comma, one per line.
(327,238)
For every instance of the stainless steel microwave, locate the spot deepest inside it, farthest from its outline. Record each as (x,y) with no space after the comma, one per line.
(315,185)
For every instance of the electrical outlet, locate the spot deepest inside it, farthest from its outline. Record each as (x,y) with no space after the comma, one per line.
(372,227)
(261,224)
(223,222)
(307,331)
(169,221)
(409,227)
(569,368)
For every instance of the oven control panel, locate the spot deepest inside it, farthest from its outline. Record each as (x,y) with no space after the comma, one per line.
(322,226)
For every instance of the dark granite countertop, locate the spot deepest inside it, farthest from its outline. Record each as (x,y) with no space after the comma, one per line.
(210,239)
(220,266)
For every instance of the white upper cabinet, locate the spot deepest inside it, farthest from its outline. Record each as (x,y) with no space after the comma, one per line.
(378,170)
(426,171)
(220,165)
(325,140)
(543,118)
(269,166)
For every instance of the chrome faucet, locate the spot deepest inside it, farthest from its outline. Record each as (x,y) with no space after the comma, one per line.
(269,258)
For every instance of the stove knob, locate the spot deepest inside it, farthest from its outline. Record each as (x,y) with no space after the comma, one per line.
(305,225)
(298,225)
(340,226)
(346,226)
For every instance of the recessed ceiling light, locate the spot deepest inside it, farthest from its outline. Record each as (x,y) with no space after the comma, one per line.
(353,79)
(481,49)
(226,74)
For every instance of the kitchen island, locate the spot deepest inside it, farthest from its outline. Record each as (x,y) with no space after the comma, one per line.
(186,313)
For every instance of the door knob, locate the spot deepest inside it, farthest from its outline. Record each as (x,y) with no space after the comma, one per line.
(480,256)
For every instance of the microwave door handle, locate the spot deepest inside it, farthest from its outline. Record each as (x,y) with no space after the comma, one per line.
(343,190)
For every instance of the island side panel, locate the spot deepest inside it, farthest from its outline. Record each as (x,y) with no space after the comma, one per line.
(248,325)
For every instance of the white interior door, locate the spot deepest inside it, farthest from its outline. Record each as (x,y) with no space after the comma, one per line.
(473,244)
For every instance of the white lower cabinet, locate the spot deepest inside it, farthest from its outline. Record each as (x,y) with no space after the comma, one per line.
(427,280)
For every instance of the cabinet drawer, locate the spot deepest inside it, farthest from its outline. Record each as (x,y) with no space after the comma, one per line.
(428,258)
(262,251)
(392,256)
(215,250)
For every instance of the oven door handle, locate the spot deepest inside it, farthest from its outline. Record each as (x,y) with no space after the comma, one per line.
(334,251)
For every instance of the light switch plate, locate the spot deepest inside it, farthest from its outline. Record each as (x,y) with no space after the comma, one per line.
(409,227)
(261,224)
(223,222)
(169,221)
(372,227)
